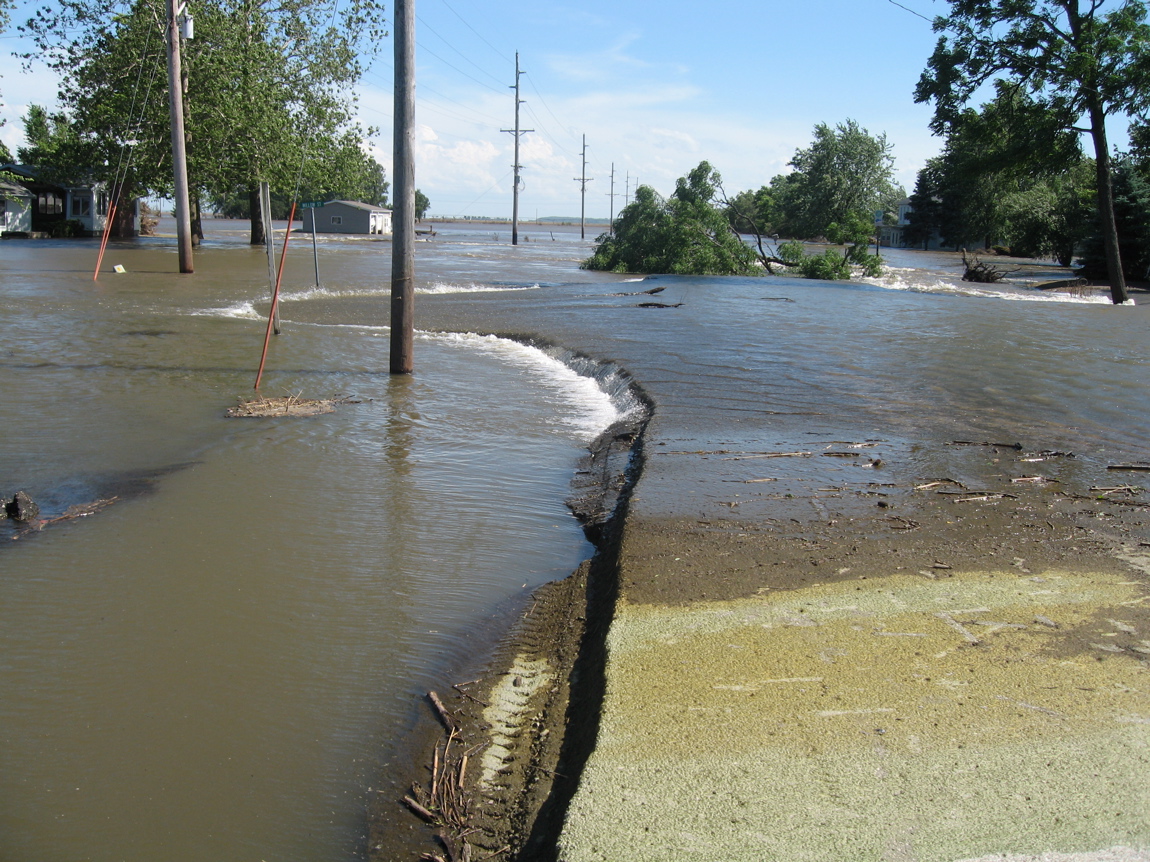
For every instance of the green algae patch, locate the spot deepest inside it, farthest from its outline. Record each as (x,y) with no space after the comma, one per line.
(904,717)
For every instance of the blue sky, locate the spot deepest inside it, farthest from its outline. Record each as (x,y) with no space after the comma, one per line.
(656,87)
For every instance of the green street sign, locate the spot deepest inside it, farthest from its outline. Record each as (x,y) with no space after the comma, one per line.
(311,205)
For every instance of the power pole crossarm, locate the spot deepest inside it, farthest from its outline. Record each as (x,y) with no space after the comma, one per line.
(517,132)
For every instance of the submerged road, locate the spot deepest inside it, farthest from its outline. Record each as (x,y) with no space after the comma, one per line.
(880,595)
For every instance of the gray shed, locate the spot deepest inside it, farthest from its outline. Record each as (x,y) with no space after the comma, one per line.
(348,217)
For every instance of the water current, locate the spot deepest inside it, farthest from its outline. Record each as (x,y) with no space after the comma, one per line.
(227,662)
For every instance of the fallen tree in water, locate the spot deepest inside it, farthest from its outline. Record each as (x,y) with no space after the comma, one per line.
(983,273)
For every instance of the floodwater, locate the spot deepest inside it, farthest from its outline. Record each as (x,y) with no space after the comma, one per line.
(226,663)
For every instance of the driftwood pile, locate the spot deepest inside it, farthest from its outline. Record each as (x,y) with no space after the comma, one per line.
(446,801)
(288,405)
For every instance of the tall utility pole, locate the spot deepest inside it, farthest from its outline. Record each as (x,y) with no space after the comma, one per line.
(627,189)
(611,194)
(179,147)
(403,183)
(517,132)
(583,180)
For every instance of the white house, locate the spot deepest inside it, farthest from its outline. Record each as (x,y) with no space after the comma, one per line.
(348,217)
(40,207)
(15,209)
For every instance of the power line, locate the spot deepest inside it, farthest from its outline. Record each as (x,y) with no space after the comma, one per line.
(912,11)
(456,68)
(427,26)
(476,32)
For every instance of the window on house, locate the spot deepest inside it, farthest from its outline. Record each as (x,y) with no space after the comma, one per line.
(50,203)
(81,205)
(337,219)
(102,203)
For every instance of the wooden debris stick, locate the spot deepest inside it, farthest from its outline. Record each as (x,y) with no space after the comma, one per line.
(1016,446)
(959,627)
(441,711)
(418,810)
(458,688)
(1144,468)
(749,456)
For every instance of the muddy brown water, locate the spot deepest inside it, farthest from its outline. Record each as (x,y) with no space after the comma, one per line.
(227,662)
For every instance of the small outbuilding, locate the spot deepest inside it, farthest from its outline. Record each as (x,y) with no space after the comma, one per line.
(348,217)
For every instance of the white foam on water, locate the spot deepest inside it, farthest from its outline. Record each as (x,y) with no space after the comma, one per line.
(241,310)
(332,293)
(626,280)
(584,409)
(442,287)
(922,281)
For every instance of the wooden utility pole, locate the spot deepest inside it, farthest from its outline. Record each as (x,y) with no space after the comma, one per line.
(583,180)
(179,148)
(403,177)
(611,194)
(517,132)
(270,248)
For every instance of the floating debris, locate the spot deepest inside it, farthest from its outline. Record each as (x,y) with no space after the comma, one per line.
(288,405)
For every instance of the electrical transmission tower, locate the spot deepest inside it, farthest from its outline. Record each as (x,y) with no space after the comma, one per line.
(583,180)
(517,132)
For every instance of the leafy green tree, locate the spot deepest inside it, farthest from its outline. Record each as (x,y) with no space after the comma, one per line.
(421,205)
(267,84)
(1009,174)
(844,171)
(1053,216)
(926,207)
(687,233)
(1073,58)
(1132,218)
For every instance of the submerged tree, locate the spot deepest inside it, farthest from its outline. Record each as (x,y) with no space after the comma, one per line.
(1073,59)
(687,233)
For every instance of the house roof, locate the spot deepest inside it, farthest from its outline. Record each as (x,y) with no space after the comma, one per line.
(362,206)
(12,190)
(34,176)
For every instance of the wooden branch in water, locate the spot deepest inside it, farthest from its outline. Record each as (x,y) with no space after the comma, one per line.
(418,810)
(441,711)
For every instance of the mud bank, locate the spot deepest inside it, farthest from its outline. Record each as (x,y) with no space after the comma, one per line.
(524,728)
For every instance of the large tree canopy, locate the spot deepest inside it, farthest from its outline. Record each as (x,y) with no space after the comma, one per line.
(1082,60)
(1009,174)
(267,91)
(845,172)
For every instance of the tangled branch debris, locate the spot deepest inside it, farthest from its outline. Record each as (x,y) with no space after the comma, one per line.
(446,802)
(983,273)
(288,405)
